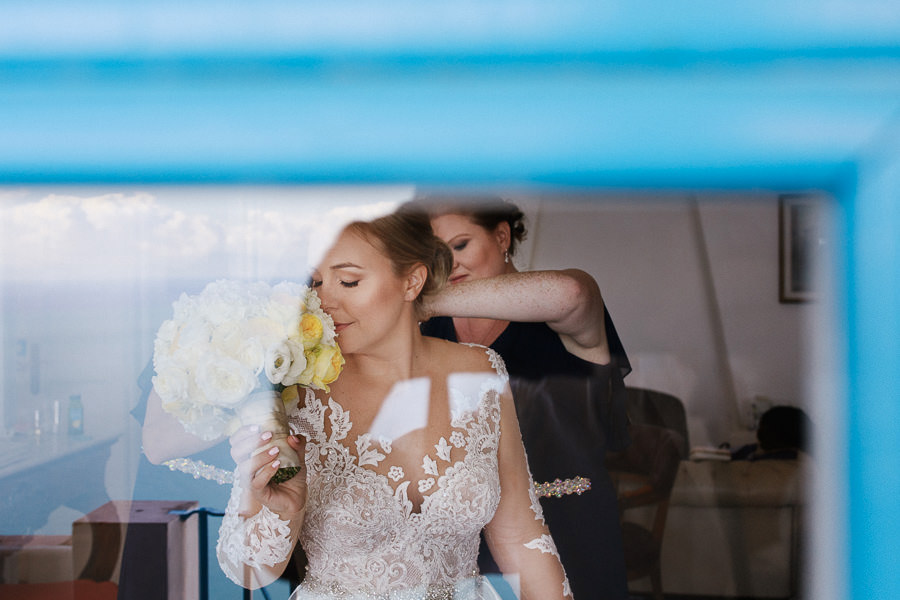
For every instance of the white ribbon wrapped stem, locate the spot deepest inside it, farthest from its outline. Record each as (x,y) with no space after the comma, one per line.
(266,409)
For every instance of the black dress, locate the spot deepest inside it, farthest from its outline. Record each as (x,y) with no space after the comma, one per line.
(571,412)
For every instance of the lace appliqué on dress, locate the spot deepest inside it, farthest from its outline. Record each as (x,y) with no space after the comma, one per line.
(362,534)
(546,545)
(261,540)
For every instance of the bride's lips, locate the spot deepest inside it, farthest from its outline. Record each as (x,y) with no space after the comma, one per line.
(339,327)
(457,279)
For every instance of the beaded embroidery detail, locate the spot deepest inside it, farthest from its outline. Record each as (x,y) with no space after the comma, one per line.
(200,470)
(558,488)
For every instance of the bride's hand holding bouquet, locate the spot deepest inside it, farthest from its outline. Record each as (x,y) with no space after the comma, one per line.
(228,353)
(257,462)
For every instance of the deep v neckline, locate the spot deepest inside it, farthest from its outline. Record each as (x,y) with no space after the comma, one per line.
(337,452)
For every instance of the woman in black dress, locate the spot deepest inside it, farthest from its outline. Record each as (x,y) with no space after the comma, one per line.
(566,365)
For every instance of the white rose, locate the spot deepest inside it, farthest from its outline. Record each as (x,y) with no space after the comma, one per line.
(223,302)
(224,381)
(184,309)
(171,382)
(187,355)
(195,333)
(252,353)
(285,309)
(264,329)
(165,338)
(278,361)
(227,337)
(241,342)
(298,363)
(290,288)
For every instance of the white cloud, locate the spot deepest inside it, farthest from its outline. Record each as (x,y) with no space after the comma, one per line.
(179,235)
(204,233)
(108,211)
(40,224)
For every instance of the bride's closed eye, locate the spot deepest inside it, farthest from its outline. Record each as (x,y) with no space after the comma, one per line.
(460,246)
(348,284)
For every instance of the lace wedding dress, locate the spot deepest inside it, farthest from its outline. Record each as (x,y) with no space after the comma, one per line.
(376,528)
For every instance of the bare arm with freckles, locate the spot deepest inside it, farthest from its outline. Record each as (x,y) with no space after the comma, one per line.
(568,300)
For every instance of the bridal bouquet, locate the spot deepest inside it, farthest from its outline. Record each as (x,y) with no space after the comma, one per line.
(228,352)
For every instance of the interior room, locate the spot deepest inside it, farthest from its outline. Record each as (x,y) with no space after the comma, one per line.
(692,280)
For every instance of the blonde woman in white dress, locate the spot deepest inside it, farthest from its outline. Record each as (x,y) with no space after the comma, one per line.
(413,451)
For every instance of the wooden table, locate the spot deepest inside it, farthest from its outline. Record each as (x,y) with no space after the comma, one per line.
(142,545)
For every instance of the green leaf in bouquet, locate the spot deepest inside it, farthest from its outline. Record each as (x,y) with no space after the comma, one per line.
(285,473)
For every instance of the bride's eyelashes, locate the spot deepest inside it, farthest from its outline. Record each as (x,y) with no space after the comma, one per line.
(460,246)
(317,283)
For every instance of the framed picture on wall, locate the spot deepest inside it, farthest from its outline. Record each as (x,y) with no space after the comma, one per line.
(800,248)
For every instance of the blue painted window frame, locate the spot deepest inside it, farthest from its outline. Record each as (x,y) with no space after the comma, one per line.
(563,94)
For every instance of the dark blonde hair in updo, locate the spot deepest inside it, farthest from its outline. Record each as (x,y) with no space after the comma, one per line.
(485,211)
(407,239)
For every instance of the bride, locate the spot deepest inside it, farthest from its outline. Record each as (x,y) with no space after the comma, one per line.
(413,452)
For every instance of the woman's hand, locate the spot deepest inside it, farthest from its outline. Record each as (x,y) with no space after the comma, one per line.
(256,467)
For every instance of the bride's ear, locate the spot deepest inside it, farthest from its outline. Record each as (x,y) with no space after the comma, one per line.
(415,281)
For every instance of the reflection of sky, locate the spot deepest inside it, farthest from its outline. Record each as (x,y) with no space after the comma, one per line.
(108,234)
(405,409)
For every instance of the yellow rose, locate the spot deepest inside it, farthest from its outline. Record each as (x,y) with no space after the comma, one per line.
(309,372)
(323,365)
(310,330)
(328,366)
(290,395)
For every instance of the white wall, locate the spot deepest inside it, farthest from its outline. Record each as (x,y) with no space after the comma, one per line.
(693,290)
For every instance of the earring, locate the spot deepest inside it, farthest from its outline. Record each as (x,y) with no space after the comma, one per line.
(506,256)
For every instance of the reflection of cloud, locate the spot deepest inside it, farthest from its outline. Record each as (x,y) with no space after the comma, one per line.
(104,236)
(183,236)
(107,212)
(41,223)
(338,217)
(194,233)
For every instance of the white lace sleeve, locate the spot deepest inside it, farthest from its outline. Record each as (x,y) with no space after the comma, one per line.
(261,540)
(517,535)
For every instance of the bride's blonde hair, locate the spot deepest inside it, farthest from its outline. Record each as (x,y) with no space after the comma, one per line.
(406,238)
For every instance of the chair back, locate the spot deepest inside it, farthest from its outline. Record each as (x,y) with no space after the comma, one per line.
(644,474)
(651,407)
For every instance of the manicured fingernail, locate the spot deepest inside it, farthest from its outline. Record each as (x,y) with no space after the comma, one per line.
(267,435)
(276,464)
(273,451)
